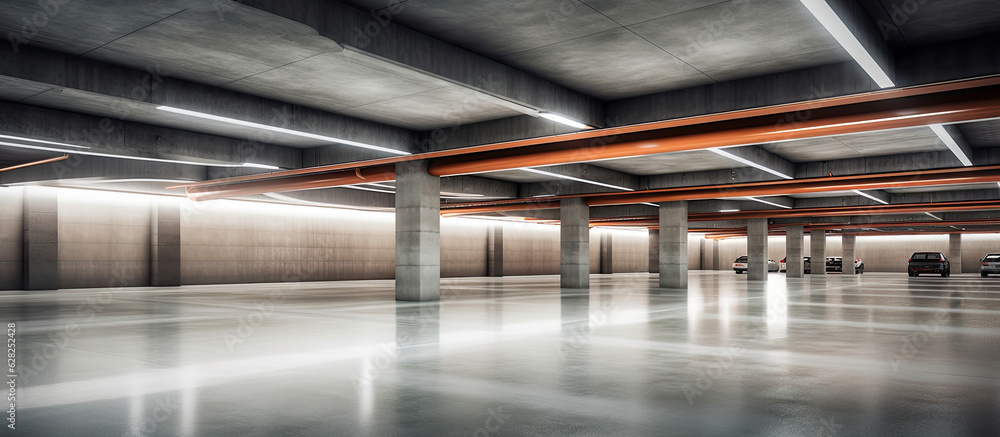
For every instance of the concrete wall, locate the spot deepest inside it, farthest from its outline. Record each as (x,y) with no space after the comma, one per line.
(11,230)
(974,247)
(630,251)
(103,239)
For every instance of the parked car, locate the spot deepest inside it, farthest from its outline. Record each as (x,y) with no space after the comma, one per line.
(741,264)
(836,264)
(806,265)
(989,264)
(928,262)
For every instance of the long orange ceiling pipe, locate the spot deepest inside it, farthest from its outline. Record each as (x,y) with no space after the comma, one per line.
(305,182)
(955,101)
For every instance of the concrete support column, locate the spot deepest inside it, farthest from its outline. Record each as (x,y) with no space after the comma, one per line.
(165,243)
(757,249)
(654,251)
(494,255)
(574,243)
(955,252)
(418,233)
(817,251)
(40,261)
(847,255)
(607,254)
(793,251)
(673,244)
(716,256)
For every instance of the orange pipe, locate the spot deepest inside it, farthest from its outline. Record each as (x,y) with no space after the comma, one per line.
(30,164)
(305,182)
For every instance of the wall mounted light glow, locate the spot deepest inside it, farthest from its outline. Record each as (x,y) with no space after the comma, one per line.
(756,165)
(862,193)
(563,120)
(946,138)
(767,202)
(556,175)
(264,166)
(32,140)
(833,24)
(934,216)
(278,129)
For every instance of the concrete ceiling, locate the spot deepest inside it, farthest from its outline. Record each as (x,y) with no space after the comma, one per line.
(981,134)
(892,142)
(917,23)
(613,49)
(678,162)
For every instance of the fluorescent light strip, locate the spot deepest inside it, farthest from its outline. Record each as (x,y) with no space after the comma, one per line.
(650,204)
(10,137)
(852,123)
(108,155)
(355,187)
(555,175)
(729,210)
(563,120)
(932,215)
(264,166)
(946,138)
(278,129)
(751,163)
(862,193)
(769,203)
(380,185)
(833,24)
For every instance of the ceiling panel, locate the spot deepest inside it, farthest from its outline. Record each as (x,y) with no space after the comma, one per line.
(665,163)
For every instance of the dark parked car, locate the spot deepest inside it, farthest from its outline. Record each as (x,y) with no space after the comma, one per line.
(836,264)
(989,264)
(806,265)
(741,264)
(928,262)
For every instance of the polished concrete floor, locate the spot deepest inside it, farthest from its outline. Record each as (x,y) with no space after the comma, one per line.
(881,354)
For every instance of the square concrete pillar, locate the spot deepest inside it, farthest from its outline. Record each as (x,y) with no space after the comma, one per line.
(817,251)
(716,256)
(165,243)
(757,249)
(607,254)
(494,254)
(40,261)
(654,251)
(955,252)
(673,244)
(574,243)
(418,233)
(793,251)
(848,255)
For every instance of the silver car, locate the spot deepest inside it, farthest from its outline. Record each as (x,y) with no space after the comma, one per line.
(989,264)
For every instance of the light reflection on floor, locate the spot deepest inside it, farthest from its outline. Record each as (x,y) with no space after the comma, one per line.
(880,354)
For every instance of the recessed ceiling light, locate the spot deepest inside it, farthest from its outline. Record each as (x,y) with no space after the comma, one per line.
(278,129)
(768,203)
(862,193)
(110,155)
(934,216)
(833,24)
(32,140)
(729,210)
(751,163)
(264,166)
(946,138)
(563,120)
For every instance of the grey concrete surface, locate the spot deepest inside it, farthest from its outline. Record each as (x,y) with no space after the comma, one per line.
(418,233)
(607,254)
(654,250)
(955,252)
(574,243)
(11,237)
(868,356)
(40,262)
(848,254)
(757,255)
(165,243)
(495,257)
(817,251)
(673,245)
(794,267)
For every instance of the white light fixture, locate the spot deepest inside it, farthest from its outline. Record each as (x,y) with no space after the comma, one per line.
(109,155)
(934,216)
(380,185)
(278,129)
(32,140)
(862,193)
(563,120)
(853,123)
(556,175)
(650,204)
(946,138)
(729,210)
(751,163)
(768,203)
(355,187)
(833,24)
(264,166)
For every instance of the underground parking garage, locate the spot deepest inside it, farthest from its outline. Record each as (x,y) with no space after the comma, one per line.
(436,217)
